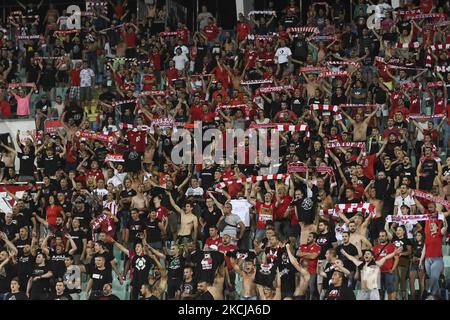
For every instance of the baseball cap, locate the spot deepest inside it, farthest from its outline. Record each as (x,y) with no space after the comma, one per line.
(213,247)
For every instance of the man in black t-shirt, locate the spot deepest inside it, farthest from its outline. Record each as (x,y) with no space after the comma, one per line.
(188,287)
(100,276)
(351,250)
(326,240)
(26,169)
(39,283)
(209,217)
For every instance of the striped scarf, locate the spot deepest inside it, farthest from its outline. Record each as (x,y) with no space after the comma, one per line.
(365,208)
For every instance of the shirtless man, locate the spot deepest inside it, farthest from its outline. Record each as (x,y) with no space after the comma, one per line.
(157,281)
(360,223)
(360,125)
(139,201)
(359,241)
(248,279)
(302,278)
(371,197)
(312,84)
(234,74)
(189,221)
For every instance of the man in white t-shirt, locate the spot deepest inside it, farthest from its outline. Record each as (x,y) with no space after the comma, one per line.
(87,80)
(282,58)
(181,61)
(184,49)
(404,199)
(241,208)
(194,190)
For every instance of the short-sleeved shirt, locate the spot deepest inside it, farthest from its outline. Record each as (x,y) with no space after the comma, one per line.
(231,228)
(86,77)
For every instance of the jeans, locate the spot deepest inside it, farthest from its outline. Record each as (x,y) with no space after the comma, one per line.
(434,267)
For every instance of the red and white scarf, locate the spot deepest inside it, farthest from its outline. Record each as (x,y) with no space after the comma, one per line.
(21,84)
(170,34)
(273,89)
(365,208)
(32,37)
(252,179)
(410,45)
(435,47)
(252,82)
(332,74)
(344,63)
(153,93)
(117,103)
(435,84)
(411,85)
(414,218)
(263,12)
(313,69)
(360,145)
(268,37)
(430,197)
(421,16)
(352,105)
(303,30)
(92,135)
(114,158)
(442,68)
(327,107)
(422,117)
(65,32)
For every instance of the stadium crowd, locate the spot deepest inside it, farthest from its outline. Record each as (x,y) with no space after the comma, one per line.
(356,206)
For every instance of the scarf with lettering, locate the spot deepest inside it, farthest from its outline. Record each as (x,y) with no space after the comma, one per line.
(430,197)
(333,145)
(92,135)
(273,89)
(253,82)
(344,63)
(313,69)
(414,218)
(332,74)
(252,179)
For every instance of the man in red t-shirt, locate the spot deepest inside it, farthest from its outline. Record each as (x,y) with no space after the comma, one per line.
(5,108)
(95,172)
(137,138)
(211,31)
(388,269)
(214,238)
(172,73)
(309,254)
(148,78)
(265,212)
(225,247)
(281,213)
(243,28)
(74,93)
